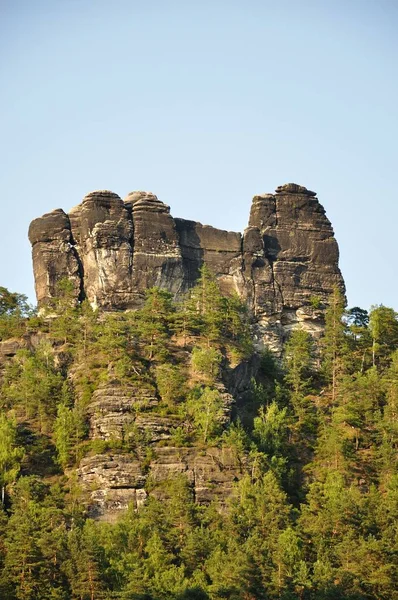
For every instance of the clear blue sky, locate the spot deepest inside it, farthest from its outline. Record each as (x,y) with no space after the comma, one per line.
(205,103)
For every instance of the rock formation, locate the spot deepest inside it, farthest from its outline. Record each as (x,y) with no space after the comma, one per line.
(284,265)
(112,481)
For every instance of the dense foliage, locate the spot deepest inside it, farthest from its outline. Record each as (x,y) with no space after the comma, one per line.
(314,517)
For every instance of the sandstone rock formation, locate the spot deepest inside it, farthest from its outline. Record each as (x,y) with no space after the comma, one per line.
(114,480)
(284,265)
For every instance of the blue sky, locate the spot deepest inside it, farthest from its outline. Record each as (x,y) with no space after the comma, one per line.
(205,103)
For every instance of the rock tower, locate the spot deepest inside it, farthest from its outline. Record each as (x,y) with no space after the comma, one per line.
(284,265)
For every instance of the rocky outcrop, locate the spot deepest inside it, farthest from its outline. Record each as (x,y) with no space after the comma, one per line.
(54,255)
(284,266)
(122,417)
(112,482)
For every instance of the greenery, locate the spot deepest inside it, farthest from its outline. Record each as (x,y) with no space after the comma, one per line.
(313,513)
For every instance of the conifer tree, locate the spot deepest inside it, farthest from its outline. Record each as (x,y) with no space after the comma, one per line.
(383,324)
(206,307)
(333,341)
(299,364)
(11,454)
(64,313)
(14,311)
(154,322)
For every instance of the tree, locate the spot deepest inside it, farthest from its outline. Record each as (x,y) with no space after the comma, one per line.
(64,324)
(11,302)
(383,324)
(64,433)
(207,412)
(357,316)
(333,340)
(33,383)
(87,565)
(206,307)
(388,423)
(14,310)
(271,430)
(11,455)
(34,544)
(292,571)
(154,321)
(359,337)
(170,383)
(299,362)
(206,363)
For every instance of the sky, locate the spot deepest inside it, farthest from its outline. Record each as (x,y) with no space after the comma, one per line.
(206,104)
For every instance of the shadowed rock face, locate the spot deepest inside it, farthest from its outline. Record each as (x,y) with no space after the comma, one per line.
(113,250)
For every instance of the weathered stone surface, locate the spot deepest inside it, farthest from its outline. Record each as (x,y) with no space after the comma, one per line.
(114,250)
(54,255)
(298,262)
(157,257)
(130,414)
(293,188)
(102,231)
(112,482)
(113,409)
(9,348)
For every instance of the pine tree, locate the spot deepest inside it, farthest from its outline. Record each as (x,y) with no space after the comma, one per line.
(299,364)
(154,322)
(11,454)
(206,307)
(333,342)
(86,566)
(383,324)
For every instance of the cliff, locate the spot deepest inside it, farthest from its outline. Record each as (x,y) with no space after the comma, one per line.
(284,265)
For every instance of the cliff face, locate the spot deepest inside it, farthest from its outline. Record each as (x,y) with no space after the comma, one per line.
(284,265)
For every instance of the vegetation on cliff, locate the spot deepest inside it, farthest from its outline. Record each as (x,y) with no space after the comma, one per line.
(314,511)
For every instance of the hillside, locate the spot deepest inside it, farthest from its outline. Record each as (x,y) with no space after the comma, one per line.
(153,447)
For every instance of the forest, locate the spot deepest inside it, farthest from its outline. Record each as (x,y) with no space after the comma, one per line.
(314,514)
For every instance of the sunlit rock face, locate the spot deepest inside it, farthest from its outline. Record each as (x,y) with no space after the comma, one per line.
(284,266)
(113,481)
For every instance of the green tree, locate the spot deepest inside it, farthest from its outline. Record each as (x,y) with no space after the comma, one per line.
(154,323)
(11,302)
(271,428)
(383,324)
(35,544)
(63,311)
(207,412)
(14,311)
(206,362)
(170,383)
(87,564)
(206,307)
(33,382)
(271,431)
(333,342)
(299,365)
(64,433)
(387,424)
(292,573)
(359,338)
(358,316)
(11,454)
